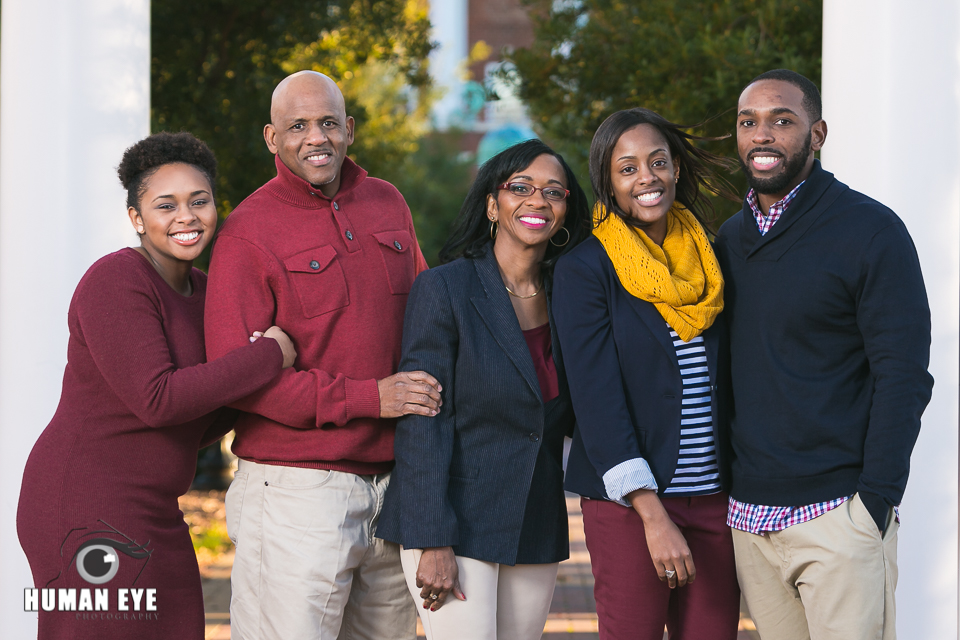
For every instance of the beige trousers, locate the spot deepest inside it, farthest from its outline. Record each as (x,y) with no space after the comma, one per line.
(831,578)
(308,566)
(503,602)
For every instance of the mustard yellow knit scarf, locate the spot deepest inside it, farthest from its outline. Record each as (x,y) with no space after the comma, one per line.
(681,279)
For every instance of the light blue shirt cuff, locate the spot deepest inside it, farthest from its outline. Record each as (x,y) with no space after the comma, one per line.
(628,476)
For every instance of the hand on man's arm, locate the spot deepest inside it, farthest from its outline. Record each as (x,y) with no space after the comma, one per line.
(409,392)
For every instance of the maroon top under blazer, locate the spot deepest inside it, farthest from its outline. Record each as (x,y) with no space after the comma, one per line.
(100,488)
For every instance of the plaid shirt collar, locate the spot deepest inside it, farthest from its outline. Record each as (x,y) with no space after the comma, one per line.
(766,222)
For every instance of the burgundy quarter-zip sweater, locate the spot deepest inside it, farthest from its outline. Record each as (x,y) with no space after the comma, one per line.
(334,273)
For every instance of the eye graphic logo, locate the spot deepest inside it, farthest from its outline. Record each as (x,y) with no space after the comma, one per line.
(97,556)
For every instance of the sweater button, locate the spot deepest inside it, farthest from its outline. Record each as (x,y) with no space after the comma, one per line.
(534,437)
(396,243)
(336,206)
(349,235)
(314,265)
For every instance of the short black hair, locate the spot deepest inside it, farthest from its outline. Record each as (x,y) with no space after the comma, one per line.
(471,231)
(811,95)
(698,168)
(144,158)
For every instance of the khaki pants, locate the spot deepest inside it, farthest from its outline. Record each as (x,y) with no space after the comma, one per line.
(831,578)
(503,602)
(307,565)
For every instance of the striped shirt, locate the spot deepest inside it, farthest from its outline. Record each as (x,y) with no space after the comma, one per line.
(697,471)
(766,222)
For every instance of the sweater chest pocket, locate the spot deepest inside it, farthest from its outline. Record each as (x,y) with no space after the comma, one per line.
(397,253)
(317,277)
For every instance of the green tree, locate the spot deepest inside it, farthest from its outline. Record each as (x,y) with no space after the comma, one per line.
(435,180)
(215,64)
(686,59)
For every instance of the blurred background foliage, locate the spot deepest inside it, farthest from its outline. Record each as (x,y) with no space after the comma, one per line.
(215,64)
(685,59)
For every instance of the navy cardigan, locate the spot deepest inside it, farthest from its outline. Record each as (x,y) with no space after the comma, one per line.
(624,375)
(485,474)
(829,342)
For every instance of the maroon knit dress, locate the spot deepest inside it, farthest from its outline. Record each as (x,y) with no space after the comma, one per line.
(100,488)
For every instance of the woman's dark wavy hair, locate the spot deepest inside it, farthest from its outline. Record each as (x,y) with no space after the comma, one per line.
(698,168)
(471,231)
(144,158)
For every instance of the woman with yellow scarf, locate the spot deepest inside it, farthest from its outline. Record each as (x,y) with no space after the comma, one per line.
(637,309)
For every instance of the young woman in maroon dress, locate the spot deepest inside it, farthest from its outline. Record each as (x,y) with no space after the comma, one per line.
(98,504)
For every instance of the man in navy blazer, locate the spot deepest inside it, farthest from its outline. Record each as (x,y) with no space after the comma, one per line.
(829,346)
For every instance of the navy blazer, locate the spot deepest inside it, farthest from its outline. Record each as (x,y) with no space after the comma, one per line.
(485,474)
(624,375)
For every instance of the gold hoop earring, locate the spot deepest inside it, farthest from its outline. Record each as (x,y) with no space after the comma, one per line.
(494,228)
(565,241)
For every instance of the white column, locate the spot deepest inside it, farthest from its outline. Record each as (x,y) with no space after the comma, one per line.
(449,20)
(74,93)
(891,91)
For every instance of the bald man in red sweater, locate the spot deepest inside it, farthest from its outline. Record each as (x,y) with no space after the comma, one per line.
(329,254)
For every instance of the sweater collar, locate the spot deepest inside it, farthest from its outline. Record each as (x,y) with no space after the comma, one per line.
(809,197)
(294,190)
(818,180)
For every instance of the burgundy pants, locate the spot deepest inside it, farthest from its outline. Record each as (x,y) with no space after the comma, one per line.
(632,603)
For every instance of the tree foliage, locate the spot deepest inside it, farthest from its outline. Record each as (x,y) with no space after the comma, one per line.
(435,180)
(216,62)
(686,59)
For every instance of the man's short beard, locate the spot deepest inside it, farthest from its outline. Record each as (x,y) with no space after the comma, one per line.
(792,166)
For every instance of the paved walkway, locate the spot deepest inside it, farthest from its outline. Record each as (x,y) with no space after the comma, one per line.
(572,616)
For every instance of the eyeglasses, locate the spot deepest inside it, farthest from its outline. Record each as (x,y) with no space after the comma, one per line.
(524,190)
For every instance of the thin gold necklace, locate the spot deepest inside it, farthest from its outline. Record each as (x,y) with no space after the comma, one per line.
(515,295)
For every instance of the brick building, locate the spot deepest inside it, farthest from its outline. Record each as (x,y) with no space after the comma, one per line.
(459,25)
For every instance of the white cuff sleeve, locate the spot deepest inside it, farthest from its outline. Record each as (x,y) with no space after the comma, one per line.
(628,476)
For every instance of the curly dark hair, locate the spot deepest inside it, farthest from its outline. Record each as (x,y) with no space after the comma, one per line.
(700,169)
(471,231)
(143,159)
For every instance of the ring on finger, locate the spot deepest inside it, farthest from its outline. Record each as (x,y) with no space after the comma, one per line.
(433,596)
(669,573)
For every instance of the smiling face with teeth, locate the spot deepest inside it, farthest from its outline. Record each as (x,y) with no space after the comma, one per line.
(643,176)
(309,129)
(529,222)
(176,217)
(776,139)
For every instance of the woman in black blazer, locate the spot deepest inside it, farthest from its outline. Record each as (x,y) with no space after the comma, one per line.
(637,309)
(476,497)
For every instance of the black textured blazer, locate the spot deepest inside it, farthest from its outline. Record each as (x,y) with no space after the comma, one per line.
(485,474)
